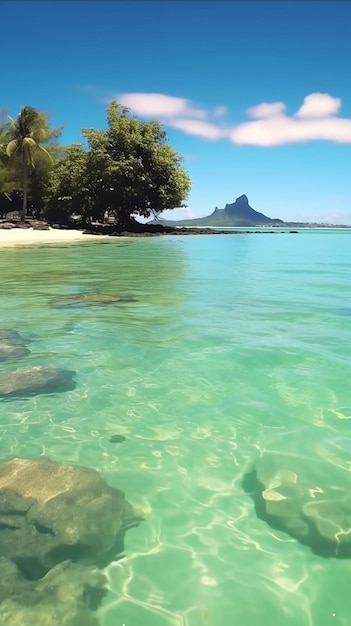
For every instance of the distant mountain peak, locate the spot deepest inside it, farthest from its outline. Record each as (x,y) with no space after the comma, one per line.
(241,208)
(239,213)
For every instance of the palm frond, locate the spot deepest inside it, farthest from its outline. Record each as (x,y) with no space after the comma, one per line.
(12,148)
(39,134)
(47,154)
(12,126)
(28,142)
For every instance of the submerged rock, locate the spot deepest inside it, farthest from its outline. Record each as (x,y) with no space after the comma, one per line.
(50,513)
(317,515)
(117,438)
(67,596)
(29,381)
(12,345)
(82,299)
(58,525)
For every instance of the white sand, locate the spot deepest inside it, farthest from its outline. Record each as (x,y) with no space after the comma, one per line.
(27,236)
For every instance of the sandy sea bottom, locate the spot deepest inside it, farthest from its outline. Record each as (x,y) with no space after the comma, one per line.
(222,351)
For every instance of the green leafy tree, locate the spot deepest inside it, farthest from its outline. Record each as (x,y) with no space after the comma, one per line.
(68,190)
(133,171)
(127,169)
(25,149)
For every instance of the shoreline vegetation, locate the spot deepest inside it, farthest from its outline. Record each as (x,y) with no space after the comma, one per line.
(124,171)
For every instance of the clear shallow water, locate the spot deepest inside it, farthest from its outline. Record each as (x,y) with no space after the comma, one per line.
(235,346)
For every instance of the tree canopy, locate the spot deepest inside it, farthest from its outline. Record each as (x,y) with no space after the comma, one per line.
(127,169)
(25,151)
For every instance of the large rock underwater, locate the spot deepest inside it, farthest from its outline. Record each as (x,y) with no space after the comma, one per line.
(302,502)
(59,525)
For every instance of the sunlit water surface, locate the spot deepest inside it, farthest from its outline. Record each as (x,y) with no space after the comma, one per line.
(234,345)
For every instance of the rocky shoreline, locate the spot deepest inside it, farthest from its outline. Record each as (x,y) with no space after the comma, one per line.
(152,230)
(13,234)
(136,230)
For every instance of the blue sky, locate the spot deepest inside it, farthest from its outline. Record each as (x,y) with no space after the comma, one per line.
(255,95)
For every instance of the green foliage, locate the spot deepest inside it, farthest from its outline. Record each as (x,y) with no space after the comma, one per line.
(67,192)
(134,171)
(127,169)
(28,160)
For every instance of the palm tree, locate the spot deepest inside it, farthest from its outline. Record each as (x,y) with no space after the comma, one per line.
(24,149)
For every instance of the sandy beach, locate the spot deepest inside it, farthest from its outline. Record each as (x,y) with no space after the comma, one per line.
(13,237)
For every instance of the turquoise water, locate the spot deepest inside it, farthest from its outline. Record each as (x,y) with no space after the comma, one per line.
(234,347)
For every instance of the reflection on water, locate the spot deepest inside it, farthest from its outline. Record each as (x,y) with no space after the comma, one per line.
(228,354)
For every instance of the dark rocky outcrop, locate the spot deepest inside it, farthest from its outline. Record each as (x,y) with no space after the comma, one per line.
(150,229)
(12,345)
(29,381)
(58,525)
(293,500)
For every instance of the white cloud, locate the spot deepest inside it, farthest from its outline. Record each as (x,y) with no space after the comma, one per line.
(315,120)
(260,133)
(269,125)
(160,105)
(281,130)
(266,109)
(319,105)
(199,128)
(175,112)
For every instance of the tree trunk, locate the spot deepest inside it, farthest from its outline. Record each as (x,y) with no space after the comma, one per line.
(25,192)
